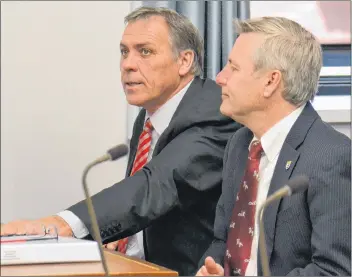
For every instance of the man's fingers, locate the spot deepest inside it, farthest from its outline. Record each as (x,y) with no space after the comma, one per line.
(15,228)
(112,245)
(4,230)
(202,271)
(220,270)
(61,225)
(211,266)
(34,228)
(48,225)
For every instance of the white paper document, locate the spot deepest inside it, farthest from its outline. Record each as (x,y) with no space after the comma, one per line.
(47,249)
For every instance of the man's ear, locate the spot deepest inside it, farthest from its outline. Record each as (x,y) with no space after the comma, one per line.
(272,82)
(185,62)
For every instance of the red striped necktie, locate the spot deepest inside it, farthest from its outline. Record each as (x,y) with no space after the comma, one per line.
(141,158)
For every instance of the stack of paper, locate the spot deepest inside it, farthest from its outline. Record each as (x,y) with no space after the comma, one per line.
(47,249)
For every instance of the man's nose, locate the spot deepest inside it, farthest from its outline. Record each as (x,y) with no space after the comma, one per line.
(221,78)
(129,63)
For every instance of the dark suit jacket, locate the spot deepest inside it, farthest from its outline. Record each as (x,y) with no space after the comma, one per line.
(308,233)
(173,198)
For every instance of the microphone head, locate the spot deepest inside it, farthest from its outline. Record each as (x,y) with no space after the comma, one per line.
(118,151)
(299,183)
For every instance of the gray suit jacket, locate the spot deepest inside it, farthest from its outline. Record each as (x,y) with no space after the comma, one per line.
(308,233)
(173,198)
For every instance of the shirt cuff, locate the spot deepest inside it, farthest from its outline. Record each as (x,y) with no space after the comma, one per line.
(78,228)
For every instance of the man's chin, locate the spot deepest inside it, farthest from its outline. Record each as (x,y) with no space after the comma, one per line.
(224,109)
(134,101)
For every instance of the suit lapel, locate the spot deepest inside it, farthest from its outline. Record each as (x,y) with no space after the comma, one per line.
(282,173)
(181,118)
(285,165)
(137,130)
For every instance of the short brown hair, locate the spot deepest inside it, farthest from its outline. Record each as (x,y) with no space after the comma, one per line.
(183,34)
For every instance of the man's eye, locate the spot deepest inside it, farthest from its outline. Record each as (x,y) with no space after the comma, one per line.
(145,51)
(123,52)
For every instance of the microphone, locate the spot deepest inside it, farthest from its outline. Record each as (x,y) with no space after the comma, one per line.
(112,154)
(296,184)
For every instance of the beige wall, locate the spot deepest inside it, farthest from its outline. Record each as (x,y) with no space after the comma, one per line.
(62,104)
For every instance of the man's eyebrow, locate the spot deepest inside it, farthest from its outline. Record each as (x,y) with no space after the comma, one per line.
(138,45)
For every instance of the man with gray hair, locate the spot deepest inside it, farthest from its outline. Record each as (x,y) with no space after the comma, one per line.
(173,179)
(271,75)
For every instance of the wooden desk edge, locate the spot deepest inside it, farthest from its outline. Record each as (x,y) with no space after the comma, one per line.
(160,269)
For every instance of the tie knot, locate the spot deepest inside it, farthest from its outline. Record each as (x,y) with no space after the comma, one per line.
(255,150)
(148,127)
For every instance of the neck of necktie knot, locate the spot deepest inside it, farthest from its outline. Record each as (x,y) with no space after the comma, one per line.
(255,150)
(148,127)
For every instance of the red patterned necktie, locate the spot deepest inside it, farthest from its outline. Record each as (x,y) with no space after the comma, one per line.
(144,143)
(241,229)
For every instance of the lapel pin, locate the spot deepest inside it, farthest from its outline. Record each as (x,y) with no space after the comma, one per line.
(288,164)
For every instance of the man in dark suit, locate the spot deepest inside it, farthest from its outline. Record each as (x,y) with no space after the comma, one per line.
(271,76)
(173,179)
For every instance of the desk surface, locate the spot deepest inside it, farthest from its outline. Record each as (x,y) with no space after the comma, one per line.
(118,264)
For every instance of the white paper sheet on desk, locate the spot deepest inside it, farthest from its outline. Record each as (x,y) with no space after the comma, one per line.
(62,249)
(28,238)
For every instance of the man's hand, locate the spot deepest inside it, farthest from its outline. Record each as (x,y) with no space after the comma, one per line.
(111,245)
(210,268)
(37,227)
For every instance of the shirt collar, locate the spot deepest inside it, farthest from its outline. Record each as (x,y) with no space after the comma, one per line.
(162,117)
(273,140)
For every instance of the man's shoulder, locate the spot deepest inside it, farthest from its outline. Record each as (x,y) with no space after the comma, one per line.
(205,86)
(203,90)
(210,84)
(324,152)
(200,107)
(323,138)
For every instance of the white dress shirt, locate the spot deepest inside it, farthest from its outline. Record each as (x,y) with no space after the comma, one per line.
(160,121)
(272,142)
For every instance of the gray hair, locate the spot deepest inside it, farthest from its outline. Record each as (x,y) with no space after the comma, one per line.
(183,34)
(290,48)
